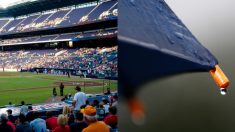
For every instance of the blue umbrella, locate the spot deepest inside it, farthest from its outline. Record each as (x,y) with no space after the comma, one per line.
(153,43)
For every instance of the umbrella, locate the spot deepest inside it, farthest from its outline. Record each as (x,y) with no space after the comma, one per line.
(154,43)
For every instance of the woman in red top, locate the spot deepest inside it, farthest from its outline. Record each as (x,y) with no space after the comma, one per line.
(62,122)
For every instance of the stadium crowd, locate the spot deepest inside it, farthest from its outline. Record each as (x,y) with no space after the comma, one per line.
(88,61)
(95,116)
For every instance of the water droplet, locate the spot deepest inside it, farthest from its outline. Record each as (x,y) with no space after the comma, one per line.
(223,91)
(132,2)
(179,35)
(170,40)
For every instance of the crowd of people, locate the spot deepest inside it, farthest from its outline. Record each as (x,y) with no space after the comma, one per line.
(82,116)
(88,61)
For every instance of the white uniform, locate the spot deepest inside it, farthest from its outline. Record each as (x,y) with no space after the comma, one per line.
(80,99)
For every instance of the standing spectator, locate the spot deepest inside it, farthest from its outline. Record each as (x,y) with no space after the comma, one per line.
(62,122)
(10,116)
(23,125)
(112,118)
(23,108)
(61,89)
(4,127)
(51,121)
(38,124)
(94,124)
(79,125)
(79,99)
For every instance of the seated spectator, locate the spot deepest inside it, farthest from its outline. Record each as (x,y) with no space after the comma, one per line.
(23,125)
(4,127)
(38,124)
(112,118)
(10,116)
(11,124)
(94,124)
(95,103)
(65,98)
(51,121)
(70,97)
(79,124)
(29,115)
(115,101)
(106,106)
(108,92)
(23,108)
(67,112)
(10,105)
(62,122)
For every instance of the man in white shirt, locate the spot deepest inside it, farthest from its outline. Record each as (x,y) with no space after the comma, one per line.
(79,99)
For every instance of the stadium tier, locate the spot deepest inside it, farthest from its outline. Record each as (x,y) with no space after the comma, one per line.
(96,62)
(61,37)
(61,18)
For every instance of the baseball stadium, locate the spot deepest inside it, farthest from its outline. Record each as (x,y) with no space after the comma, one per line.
(50,48)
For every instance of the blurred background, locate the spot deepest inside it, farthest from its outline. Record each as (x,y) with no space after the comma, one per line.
(192,102)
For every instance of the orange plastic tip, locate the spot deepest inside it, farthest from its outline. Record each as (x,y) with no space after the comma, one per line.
(137,110)
(220,78)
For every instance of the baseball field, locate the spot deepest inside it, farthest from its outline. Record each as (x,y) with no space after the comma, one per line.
(37,88)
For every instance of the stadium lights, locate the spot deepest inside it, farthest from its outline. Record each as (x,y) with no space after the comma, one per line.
(7,3)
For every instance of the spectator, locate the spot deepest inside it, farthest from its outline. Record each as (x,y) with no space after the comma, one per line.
(79,124)
(79,99)
(29,115)
(106,106)
(11,124)
(38,124)
(4,127)
(69,113)
(10,105)
(10,116)
(112,118)
(95,103)
(61,89)
(23,108)
(94,125)
(115,101)
(62,122)
(108,92)
(23,125)
(65,98)
(51,121)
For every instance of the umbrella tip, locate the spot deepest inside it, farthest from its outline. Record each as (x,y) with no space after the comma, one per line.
(137,111)
(220,78)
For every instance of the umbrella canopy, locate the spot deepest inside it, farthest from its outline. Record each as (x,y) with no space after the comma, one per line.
(153,42)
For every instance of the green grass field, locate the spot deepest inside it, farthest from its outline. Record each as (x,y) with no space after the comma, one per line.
(33,88)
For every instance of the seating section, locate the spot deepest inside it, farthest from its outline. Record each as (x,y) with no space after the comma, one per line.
(61,18)
(99,62)
(61,37)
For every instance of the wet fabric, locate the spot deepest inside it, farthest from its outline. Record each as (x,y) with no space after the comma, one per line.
(153,42)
